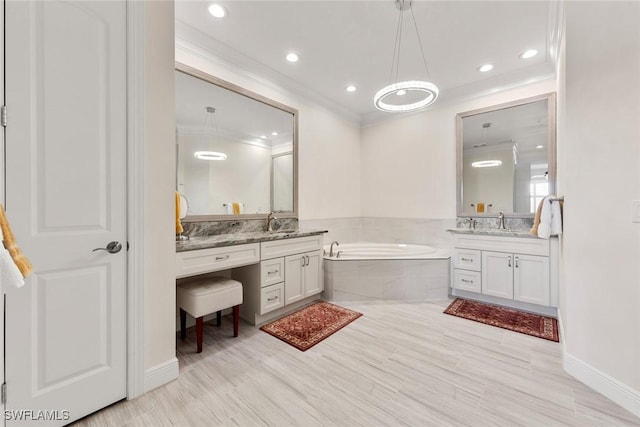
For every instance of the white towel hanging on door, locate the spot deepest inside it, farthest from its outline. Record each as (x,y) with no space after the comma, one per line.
(10,275)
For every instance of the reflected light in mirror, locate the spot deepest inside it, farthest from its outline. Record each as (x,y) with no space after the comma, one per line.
(217,10)
(486,164)
(209,155)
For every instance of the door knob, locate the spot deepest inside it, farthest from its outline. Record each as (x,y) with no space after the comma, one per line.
(112,248)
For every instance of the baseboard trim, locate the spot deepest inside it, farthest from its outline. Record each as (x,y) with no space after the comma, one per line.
(160,374)
(620,393)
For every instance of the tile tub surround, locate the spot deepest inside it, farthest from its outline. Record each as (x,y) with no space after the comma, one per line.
(386,280)
(235,226)
(419,231)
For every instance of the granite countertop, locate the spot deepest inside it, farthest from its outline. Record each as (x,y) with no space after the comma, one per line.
(493,232)
(218,240)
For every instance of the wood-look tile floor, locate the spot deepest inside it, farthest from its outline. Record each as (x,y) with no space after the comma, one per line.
(400,364)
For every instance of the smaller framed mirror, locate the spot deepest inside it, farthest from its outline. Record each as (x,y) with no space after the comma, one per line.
(506,157)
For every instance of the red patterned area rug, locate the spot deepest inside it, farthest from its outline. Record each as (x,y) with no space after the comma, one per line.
(310,325)
(506,318)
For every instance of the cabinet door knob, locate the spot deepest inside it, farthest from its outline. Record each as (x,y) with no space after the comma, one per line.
(509,258)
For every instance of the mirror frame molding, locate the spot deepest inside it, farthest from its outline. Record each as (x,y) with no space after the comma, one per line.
(551,152)
(194,72)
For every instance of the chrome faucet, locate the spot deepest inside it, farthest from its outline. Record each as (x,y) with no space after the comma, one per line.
(501,221)
(270,219)
(331,249)
(472,222)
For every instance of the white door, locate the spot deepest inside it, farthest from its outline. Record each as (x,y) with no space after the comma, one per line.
(293,278)
(497,274)
(313,283)
(531,279)
(66,195)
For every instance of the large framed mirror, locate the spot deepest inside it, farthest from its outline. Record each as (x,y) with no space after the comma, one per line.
(506,157)
(237,151)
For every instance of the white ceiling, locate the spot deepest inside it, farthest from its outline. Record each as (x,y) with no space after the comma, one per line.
(351,42)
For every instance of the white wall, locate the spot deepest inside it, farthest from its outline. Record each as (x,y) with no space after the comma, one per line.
(601,162)
(159,196)
(329,146)
(408,163)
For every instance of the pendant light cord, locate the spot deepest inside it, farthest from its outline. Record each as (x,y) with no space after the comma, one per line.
(396,49)
(415,24)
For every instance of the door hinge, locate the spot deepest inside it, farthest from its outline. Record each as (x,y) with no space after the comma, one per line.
(4,393)
(3,116)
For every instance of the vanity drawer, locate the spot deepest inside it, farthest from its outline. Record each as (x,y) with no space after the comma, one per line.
(271,271)
(466,280)
(271,297)
(190,263)
(468,259)
(284,247)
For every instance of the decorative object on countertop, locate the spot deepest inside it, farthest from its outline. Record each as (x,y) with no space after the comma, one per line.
(310,325)
(9,241)
(234,208)
(505,318)
(548,219)
(206,295)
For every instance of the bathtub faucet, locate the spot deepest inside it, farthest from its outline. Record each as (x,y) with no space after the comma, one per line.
(331,249)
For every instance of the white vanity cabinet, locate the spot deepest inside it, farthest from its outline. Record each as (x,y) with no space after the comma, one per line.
(302,276)
(516,276)
(514,271)
(289,273)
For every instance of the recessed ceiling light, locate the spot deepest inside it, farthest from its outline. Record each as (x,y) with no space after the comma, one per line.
(292,57)
(264,137)
(529,54)
(539,147)
(217,10)
(274,133)
(351,88)
(485,68)
(401,92)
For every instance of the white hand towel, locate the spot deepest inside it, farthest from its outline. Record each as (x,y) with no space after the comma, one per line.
(556,218)
(544,229)
(10,275)
(9,272)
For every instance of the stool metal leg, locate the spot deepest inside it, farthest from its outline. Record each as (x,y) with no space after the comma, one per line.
(236,319)
(183,324)
(199,327)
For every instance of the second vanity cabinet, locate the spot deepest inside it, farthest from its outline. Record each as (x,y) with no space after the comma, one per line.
(516,276)
(516,271)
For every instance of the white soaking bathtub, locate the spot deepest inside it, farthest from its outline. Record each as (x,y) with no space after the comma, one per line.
(385,271)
